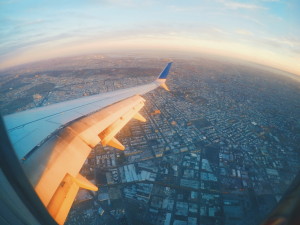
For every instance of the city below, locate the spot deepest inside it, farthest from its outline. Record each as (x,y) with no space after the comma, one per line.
(220,148)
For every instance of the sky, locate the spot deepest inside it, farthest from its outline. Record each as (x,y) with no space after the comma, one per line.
(260,31)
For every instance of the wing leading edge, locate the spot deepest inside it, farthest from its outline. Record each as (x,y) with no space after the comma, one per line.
(53,142)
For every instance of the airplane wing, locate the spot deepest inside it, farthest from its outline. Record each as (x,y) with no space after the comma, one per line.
(53,142)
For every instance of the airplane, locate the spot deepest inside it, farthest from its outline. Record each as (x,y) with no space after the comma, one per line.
(50,144)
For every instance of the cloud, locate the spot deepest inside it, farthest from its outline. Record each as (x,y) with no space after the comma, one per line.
(125,3)
(285,42)
(237,5)
(197,8)
(253,20)
(244,32)
(30,42)
(119,2)
(218,30)
(8,2)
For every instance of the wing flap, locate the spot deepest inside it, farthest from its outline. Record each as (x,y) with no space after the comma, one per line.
(107,134)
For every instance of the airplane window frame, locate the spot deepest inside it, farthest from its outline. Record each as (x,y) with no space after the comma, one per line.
(15,175)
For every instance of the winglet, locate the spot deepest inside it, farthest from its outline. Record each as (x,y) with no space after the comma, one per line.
(161,79)
(165,72)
